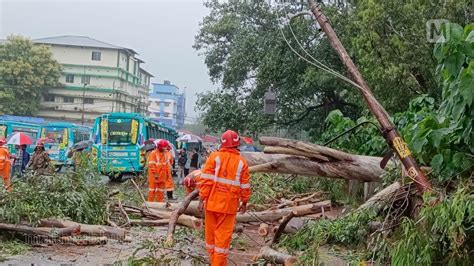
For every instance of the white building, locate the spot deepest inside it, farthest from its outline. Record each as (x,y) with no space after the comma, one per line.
(97,78)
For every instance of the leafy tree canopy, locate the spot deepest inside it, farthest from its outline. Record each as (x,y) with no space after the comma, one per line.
(26,70)
(246,53)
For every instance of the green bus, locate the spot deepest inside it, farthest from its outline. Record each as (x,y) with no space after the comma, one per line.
(118,142)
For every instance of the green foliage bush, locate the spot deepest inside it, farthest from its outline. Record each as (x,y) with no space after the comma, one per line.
(443,234)
(78,196)
(350,230)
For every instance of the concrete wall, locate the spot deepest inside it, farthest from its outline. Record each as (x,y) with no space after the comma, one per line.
(83,55)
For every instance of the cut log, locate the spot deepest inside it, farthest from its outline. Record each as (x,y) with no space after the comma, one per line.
(273,256)
(88,229)
(89,241)
(293,226)
(147,222)
(363,168)
(238,228)
(380,199)
(177,215)
(44,231)
(328,153)
(192,208)
(185,220)
(282,226)
(275,215)
(263,230)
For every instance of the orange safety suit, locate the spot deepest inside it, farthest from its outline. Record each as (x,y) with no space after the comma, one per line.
(159,168)
(5,167)
(169,185)
(224,182)
(196,177)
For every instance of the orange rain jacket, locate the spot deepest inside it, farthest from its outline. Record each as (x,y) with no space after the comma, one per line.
(159,170)
(5,166)
(195,176)
(225,181)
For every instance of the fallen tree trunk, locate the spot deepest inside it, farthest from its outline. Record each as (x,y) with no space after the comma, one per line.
(147,222)
(177,215)
(275,215)
(293,226)
(282,226)
(88,229)
(44,231)
(90,241)
(263,229)
(192,208)
(273,256)
(363,168)
(381,198)
(310,148)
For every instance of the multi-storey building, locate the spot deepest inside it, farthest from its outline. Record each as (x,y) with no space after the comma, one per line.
(167,104)
(97,78)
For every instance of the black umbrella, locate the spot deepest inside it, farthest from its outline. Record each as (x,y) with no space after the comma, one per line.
(82,145)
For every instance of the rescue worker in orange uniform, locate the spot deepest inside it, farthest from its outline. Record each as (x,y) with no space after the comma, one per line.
(191,181)
(224,184)
(159,168)
(169,184)
(5,165)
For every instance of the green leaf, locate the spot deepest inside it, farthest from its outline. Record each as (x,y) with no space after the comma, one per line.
(418,144)
(454,32)
(466,88)
(453,63)
(436,162)
(470,37)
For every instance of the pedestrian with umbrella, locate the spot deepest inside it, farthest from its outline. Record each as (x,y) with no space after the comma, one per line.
(40,161)
(22,157)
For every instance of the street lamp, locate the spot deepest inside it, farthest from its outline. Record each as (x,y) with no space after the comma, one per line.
(269,104)
(83,100)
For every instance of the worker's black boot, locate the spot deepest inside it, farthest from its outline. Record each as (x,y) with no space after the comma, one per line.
(169,195)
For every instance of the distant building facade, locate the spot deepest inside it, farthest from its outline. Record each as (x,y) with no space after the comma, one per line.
(167,104)
(97,78)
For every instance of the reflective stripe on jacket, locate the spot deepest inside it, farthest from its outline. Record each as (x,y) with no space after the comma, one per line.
(225,181)
(159,164)
(4,157)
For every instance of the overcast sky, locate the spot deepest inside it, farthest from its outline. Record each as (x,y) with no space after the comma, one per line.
(161,31)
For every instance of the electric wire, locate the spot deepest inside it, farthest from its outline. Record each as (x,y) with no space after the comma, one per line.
(323,66)
(316,63)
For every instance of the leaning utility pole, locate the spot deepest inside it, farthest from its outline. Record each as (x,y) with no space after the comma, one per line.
(388,128)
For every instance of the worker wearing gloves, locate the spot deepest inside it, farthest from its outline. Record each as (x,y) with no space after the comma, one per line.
(191,181)
(159,168)
(224,184)
(5,165)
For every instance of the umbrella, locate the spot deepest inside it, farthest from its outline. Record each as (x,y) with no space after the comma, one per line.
(19,138)
(189,138)
(247,140)
(82,145)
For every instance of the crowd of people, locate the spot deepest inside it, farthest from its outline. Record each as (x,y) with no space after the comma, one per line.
(223,182)
(15,165)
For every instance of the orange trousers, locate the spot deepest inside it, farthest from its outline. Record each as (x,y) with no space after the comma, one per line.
(156,190)
(5,173)
(169,184)
(219,229)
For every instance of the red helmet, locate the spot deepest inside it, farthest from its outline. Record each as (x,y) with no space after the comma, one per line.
(162,144)
(2,142)
(230,139)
